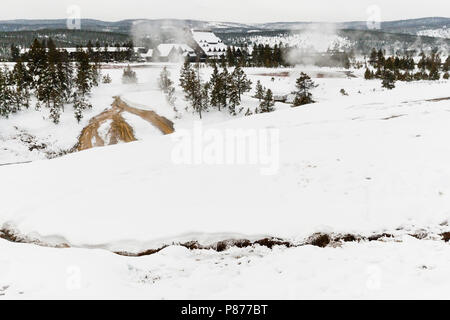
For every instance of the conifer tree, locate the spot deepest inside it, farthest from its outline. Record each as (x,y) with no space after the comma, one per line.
(303,94)
(196,93)
(267,105)
(240,82)
(83,85)
(5,95)
(224,93)
(51,86)
(37,62)
(107,79)
(65,74)
(234,98)
(21,80)
(368,75)
(187,76)
(260,91)
(216,88)
(446,66)
(388,80)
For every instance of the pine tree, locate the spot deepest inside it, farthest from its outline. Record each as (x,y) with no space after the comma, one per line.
(240,81)
(5,95)
(368,75)
(216,88)
(51,85)
(15,53)
(65,75)
(37,62)
(22,81)
(388,80)
(204,98)
(187,76)
(83,85)
(80,104)
(260,91)
(196,93)
(303,95)
(446,66)
(107,79)
(224,93)
(373,60)
(234,98)
(267,105)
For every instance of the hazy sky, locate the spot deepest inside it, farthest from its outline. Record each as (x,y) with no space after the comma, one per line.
(227,10)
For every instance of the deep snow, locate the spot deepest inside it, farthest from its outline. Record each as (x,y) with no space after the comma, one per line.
(371,162)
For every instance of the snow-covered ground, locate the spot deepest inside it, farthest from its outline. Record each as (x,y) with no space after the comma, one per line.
(372,162)
(377,270)
(437,33)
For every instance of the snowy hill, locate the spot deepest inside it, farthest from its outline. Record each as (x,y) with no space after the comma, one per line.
(361,164)
(411,26)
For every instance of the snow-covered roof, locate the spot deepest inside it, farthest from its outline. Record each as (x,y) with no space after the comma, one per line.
(148,54)
(165,48)
(209,42)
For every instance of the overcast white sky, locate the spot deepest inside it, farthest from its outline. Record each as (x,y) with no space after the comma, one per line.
(227,10)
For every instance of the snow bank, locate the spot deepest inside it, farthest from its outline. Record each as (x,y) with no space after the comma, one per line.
(355,164)
(412,269)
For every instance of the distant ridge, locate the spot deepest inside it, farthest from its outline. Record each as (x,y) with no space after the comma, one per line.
(410,26)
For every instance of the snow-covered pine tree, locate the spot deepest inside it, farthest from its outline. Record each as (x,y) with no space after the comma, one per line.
(303,94)
(21,80)
(51,90)
(5,95)
(240,81)
(65,75)
(368,75)
(446,66)
(107,79)
(260,91)
(204,98)
(234,98)
(216,88)
(224,93)
(83,85)
(37,63)
(388,80)
(187,76)
(267,105)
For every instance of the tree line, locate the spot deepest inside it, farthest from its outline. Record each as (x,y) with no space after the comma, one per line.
(404,68)
(97,52)
(225,89)
(51,78)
